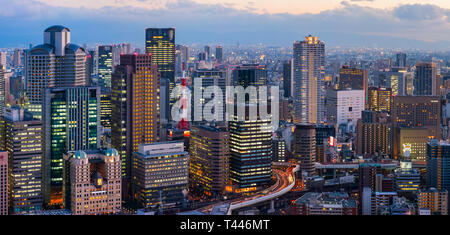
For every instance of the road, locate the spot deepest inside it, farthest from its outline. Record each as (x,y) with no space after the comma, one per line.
(285,182)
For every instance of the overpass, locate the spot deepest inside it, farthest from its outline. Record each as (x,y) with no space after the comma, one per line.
(285,182)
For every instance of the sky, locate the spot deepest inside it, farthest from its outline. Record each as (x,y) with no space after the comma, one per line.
(348,23)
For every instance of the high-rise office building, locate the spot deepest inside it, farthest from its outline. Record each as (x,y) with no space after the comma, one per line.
(2,90)
(344,107)
(287,79)
(105,110)
(251,152)
(373,134)
(406,178)
(309,89)
(208,52)
(209,164)
(169,164)
(249,75)
(438,164)
(379,99)
(56,63)
(208,79)
(22,139)
(160,42)
(135,98)
(411,142)
(417,111)
(105,66)
(92,182)
(400,60)
(426,80)
(17,58)
(304,147)
(436,201)
(71,122)
(353,78)
(219,54)
(398,81)
(3,183)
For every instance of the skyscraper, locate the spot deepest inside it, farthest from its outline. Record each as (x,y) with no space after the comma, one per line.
(250,137)
(309,90)
(22,139)
(418,111)
(169,164)
(379,99)
(400,60)
(209,164)
(3,183)
(344,107)
(92,182)
(304,147)
(105,67)
(71,122)
(219,54)
(2,89)
(425,79)
(438,164)
(356,79)
(135,99)
(56,63)
(160,42)
(287,78)
(373,134)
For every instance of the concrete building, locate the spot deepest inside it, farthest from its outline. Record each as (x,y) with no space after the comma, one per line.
(406,178)
(21,137)
(135,99)
(309,75)
(4,183)
(92,182)
(345,107)
(373,134)
(426,82)
(56,63)
(327,203)
(379,99)
(159,174)
(209,165)
(438,164)
(304,147)
(71,118)
(436,201)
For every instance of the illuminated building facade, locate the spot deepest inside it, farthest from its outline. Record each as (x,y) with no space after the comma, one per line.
(71,122)
(209,165)
(160,42)
(105,54)
(251,151)
(373,134)
(379,99)
(309,75)
(412,143)
(304,147)
(92,182)
(434,200)
(56,63)
(3,93)
(418,111)
(438,164)
(135,100)
(105,110)
(160,173)
(3,183)
(330,203)
(353,78)
(406,178)
(22,139)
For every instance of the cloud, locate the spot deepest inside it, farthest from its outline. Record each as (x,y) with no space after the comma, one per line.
(348,25)
(421,12)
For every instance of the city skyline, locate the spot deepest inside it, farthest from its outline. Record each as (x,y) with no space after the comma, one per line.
(399,24)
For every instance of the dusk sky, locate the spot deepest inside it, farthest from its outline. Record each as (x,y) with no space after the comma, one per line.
(373,23)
